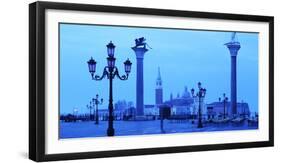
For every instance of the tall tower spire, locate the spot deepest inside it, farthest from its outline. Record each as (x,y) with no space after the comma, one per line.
(233,47)
(159,80)
(171,97)
(158,90)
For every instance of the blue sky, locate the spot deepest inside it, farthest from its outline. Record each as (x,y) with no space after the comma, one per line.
(184,57)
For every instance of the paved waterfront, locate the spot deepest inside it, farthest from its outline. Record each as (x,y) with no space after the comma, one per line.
(90,129)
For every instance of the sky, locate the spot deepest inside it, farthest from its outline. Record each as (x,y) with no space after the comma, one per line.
(185,57)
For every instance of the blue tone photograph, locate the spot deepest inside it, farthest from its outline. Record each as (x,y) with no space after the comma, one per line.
(134,81)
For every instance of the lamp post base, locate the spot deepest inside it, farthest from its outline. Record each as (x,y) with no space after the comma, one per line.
(97,119)
(110,132)
(200,125)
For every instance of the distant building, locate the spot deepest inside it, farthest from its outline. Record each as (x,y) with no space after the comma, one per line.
(123,105)
(151,110)
(129,113)
(103,114)
(120,105)
(216,109)
(181,105)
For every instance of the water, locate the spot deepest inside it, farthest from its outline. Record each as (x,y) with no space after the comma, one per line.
(122,128)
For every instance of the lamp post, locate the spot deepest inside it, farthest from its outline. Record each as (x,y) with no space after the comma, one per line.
(75,114)
(225,99)
(96,101)
(200,94)
(243,109)
(90,107)
(110,71)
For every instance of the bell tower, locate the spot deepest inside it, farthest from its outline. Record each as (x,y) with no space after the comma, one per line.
(158,90)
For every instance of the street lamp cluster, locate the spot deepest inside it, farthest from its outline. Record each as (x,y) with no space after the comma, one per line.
(200,95)
(110,71)
(97,102)
(94,102)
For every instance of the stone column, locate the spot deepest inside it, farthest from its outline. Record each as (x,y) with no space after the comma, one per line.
(139,51)
(233,49)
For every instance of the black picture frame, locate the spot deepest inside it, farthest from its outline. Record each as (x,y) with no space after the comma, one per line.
(37,80)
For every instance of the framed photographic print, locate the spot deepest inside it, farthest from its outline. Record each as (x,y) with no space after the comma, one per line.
(109,81)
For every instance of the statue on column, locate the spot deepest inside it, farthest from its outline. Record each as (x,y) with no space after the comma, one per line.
(140,43)
(140,49)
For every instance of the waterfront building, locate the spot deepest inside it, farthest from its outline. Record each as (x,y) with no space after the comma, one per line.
(215,110)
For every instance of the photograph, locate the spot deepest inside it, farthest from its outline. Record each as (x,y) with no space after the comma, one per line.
(112,81)
(136,81)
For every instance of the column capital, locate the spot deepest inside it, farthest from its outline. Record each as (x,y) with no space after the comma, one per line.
(233,48)
(139,51)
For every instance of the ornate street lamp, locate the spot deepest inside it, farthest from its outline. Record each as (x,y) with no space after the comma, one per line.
(110,49)
(225,99)
(200,94)
(90,107)
(243,109)
(92,66)
(127,65)
(110,71)
(96,101)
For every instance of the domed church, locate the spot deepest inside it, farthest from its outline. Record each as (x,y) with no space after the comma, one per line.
(181,105)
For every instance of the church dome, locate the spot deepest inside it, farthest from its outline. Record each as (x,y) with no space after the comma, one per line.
(186,93)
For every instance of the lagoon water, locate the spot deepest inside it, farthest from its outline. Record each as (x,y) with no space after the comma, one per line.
(123,128)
